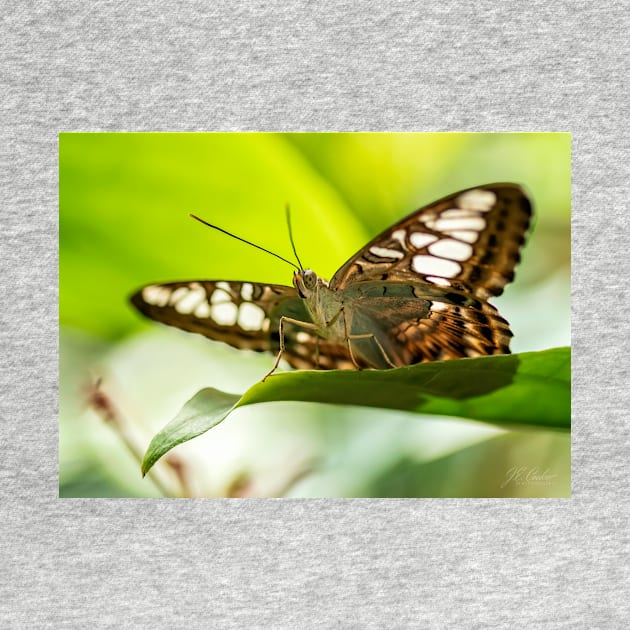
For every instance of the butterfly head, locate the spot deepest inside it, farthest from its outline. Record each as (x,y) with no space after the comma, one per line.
(306,281)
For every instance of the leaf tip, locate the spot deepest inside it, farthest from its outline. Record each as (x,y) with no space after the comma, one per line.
(147,464)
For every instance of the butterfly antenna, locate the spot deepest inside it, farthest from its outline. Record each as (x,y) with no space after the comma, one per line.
(291,237)
(238,238)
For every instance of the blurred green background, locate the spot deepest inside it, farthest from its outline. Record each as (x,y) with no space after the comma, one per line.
(124,201)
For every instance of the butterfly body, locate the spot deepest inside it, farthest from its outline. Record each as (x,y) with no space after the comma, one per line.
(417,292)
(323,304)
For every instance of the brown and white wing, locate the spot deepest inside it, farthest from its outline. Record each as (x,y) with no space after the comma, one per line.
(440,331)
(450,332)
(245,315)
(468,241)
(242,314)
(397,324)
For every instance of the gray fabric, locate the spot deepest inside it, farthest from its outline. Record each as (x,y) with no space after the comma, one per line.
(324,563)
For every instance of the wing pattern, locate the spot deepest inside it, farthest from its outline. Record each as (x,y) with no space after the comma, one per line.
(468,241)
(241,314)
(245,315)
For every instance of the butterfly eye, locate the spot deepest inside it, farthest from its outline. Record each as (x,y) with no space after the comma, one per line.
(310,279)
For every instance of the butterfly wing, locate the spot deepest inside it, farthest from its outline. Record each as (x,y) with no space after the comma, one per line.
(411,325)
(421,286)
(468,241)
(245,315)
(241,314)
(451,332)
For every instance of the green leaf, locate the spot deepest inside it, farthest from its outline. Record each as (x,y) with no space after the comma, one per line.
(532,389)
(204,410)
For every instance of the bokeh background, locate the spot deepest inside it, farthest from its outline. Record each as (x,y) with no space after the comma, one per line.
(124,201)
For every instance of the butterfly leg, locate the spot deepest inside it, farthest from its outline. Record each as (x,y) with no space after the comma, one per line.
(376,341)
(350,337)
(284,320)
(347,336)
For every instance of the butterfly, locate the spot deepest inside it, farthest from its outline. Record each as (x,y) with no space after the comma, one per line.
(416,292)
